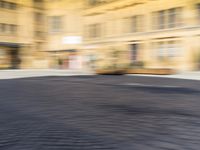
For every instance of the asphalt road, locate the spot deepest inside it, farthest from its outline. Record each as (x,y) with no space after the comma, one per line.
(99,113)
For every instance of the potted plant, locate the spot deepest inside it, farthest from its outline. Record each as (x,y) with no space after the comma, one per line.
(113,66)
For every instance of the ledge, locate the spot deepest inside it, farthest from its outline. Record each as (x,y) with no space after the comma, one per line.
(110,72)
(152,71)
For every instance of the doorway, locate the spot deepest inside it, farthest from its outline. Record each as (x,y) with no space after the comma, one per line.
(15,60)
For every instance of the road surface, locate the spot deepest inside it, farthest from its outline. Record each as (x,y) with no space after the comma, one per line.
(99,113)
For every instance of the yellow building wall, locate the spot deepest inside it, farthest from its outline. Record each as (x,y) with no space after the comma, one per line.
(113,18)
(23,17)
(70,12)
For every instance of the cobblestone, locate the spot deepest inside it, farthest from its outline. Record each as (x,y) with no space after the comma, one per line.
(99,113)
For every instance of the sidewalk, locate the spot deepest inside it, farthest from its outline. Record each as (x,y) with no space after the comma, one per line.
(24,73)
(183,75)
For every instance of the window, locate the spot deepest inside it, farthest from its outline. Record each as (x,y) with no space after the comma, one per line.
(198,12)
(137,23)
(134,24)
(134,52)
(161,19)
(39,18)
(38,3)
(55,24)
(167,49)
(8,28)
(87,31)
(3,56)
(96,2)
(39,46)
(12,6)
(2,27)
(13,29)
(173,48)
(172,18)
(169,18)
(8,5)
(39,34)
(127,23)
(92,2)
(161,50)
(94,30)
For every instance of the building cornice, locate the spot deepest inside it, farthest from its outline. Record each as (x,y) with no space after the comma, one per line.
(112,6)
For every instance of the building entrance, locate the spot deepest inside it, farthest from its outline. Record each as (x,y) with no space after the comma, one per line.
(15,60)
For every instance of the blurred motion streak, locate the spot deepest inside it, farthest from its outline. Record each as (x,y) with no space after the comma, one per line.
(105,34)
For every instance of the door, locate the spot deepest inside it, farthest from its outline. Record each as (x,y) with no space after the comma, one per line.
(134,52)
(14,58)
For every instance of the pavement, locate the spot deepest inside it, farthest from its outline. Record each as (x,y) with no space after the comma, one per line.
(189,75)
(99,113)
(26,73)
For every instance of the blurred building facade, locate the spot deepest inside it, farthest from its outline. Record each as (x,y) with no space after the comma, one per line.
(155,33)
(22,32)
(64,38)
(95,33)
